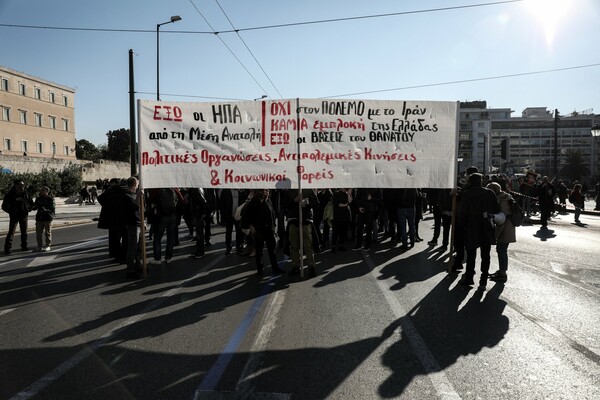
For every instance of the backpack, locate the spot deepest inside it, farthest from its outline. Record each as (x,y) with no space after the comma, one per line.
(516,213)
(167,202)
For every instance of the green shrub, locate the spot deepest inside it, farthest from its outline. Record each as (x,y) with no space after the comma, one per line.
(71,180)
(65,183)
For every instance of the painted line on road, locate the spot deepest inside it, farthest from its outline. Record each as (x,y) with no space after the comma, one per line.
(438,378)
(90,242)
(52,376)
(245,386)
(4,312)
(213,376)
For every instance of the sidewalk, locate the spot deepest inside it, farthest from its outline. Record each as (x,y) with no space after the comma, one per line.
(68,212)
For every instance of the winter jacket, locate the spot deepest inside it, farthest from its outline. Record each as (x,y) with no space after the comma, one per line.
(505,233)
(17,205)
(45,207)
(475,205)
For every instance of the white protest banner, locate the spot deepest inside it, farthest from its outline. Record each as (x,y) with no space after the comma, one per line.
(331,142)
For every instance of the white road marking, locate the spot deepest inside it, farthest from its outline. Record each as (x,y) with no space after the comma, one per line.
(39,385)
(4,312)
(42,260)
(559,268)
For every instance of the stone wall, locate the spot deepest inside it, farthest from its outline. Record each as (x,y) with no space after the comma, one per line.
(102,169)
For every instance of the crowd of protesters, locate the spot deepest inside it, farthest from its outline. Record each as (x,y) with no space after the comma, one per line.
(307,223)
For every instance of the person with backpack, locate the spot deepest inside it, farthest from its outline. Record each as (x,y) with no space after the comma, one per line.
(166,200)
(505,233)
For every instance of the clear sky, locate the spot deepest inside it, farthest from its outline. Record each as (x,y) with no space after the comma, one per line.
(418,53)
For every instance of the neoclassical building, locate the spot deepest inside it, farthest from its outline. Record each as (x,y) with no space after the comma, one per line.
(37,117)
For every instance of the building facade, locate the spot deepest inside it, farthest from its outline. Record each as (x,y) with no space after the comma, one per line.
(532,138)
(37,117)
(529,139)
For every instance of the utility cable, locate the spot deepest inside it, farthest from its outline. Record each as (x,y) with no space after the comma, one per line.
(228,48)
(249,51)
(466,80)
(268,26)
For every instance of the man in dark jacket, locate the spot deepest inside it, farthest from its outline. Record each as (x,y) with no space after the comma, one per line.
(367,206)
(406,202)
(259,215)
(17,203)
(475,213)
(112,217)
(545,193)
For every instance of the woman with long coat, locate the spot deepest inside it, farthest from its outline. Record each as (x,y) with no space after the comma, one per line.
(505,233)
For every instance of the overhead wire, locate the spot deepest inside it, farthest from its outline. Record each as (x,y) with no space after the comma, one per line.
(332,20)
(250,51)
(291,24)
(228,48)
(467,80)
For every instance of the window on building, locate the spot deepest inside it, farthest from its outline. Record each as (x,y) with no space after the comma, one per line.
(52,122)
(5,113)
(38,119)
(24,147)
(65,101)
(38,93)
(65,125)
(23,116)
(22,89)
(66,150)
(52,97)
(7,145)
(4,84)
(40,147)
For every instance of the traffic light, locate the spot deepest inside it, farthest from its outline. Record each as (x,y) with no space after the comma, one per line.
(504,149)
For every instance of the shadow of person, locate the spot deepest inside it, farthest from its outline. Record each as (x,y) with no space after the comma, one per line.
(544,234)
(437,332)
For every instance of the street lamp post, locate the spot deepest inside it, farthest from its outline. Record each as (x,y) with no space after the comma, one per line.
(174,18)
(596,135)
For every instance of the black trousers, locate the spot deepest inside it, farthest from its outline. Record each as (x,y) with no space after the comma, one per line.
(12,227)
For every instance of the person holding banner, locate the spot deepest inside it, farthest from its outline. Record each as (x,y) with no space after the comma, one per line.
(309,202)
(260,216)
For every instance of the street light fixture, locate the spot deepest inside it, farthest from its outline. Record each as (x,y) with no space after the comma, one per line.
(596,132)
(174,18)
(596,135)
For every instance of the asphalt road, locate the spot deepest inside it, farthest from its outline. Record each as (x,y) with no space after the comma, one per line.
(378,324)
